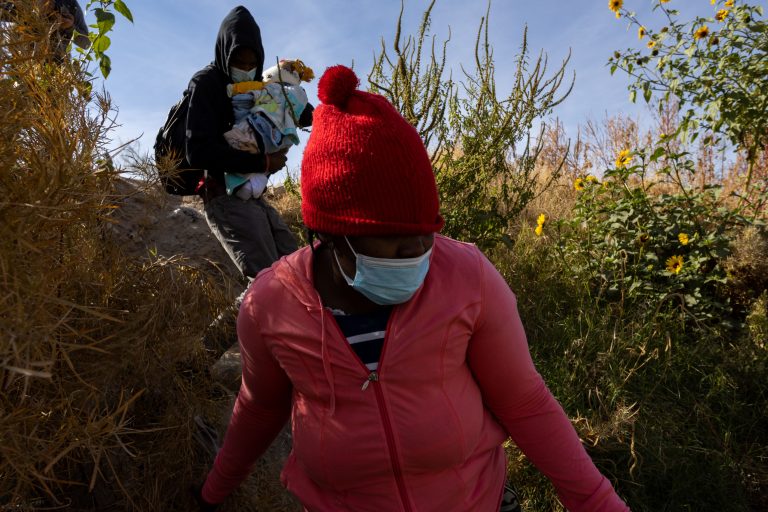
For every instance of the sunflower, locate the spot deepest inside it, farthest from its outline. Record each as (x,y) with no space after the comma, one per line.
(541,220)
(623,159)
(683,237)
(701,32)
(615,6)
(729,3)
(643,238)
(721,15)
(579,184)
(675,264)
(641,32)
(663,1)
(651,43)
(591,179)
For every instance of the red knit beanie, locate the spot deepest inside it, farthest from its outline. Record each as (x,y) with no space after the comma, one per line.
(365,170)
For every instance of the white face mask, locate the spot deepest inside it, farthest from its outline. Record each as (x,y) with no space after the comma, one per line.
(239,75)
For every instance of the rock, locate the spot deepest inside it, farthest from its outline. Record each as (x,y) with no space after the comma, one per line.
(227,370)
(148,223)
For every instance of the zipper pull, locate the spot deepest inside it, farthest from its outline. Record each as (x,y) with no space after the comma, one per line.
(373,377)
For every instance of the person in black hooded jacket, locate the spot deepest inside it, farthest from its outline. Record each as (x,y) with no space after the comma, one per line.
(251,231)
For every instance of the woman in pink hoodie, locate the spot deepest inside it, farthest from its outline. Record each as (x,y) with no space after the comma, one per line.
(397,354)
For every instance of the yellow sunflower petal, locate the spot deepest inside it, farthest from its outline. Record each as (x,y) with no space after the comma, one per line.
(701,32)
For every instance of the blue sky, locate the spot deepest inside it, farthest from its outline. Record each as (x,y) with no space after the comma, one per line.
(154,58)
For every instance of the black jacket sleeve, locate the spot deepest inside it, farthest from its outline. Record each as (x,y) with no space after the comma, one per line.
(208,118)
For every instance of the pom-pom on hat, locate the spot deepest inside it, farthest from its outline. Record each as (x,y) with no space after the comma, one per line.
(365,170)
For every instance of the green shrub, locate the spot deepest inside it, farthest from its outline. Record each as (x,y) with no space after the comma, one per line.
(643,306)
(482,154)
(650,241)
(673,414)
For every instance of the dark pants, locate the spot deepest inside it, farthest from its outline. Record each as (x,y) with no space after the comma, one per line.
(254,236)
(510,501)
(252,232)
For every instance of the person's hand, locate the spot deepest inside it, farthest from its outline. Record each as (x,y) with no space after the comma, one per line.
(276,161)
(197,493)
(66,21)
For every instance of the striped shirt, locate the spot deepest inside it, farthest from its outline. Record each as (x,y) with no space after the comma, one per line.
(365,334)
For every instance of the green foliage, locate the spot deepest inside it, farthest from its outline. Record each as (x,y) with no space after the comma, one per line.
(675,417)
(100,41)
(715,67)
(474,136)
(649,241)
(648,303)
(292,186)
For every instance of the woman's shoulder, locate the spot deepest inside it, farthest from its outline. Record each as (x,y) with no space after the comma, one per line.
(464,261)
(455,251)
(457,263)
(289,278)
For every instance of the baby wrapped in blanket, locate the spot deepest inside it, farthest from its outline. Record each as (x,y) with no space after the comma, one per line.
(266,119)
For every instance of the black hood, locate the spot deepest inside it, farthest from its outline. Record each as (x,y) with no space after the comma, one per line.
(238,29)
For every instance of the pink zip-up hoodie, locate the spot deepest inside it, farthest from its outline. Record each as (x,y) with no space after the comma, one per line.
(455,379)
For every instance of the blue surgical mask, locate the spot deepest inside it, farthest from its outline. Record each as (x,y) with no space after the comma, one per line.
(387,281)
(238,75)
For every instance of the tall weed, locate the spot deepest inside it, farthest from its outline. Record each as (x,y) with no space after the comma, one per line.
(482,154)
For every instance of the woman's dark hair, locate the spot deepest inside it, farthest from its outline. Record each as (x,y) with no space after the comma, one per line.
(324,239)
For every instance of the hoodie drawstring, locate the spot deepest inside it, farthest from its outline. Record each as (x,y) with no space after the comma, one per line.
(326,358)
(307,300)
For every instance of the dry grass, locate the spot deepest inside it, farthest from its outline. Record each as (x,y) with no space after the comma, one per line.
(101,366)
(289,206)
(101,362)
(747,267)
(555,199)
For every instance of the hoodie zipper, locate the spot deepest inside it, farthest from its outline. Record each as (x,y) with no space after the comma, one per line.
(392,449)
(374,378)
